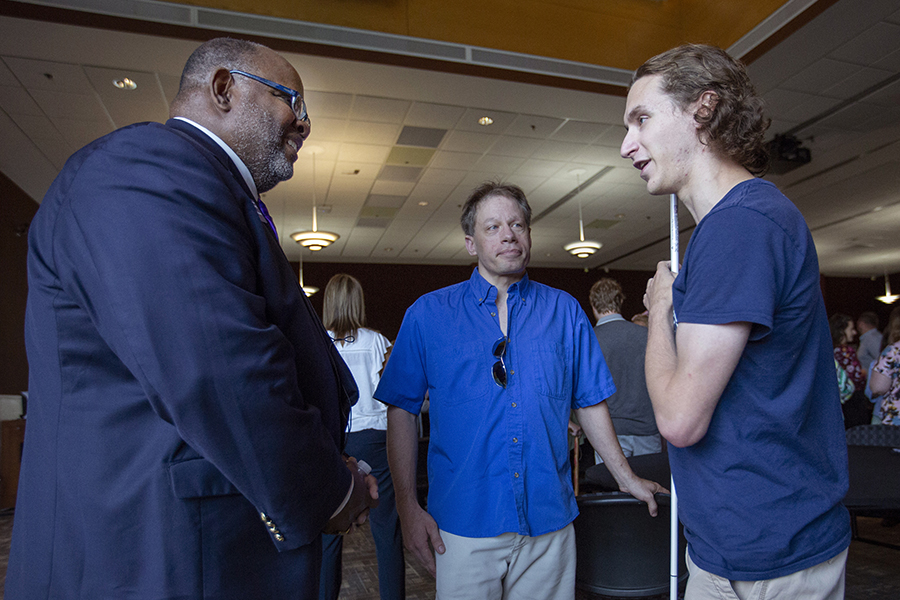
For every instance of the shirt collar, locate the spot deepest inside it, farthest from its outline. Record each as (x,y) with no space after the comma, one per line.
(484,291)
(242,168)
(609,318)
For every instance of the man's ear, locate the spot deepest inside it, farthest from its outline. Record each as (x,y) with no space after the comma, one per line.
(706,105)
(222,90)
(470,246)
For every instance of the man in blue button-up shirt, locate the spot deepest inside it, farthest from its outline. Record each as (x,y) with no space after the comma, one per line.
(503,360)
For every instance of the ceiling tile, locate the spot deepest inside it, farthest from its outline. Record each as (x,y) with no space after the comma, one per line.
(442,176)
(515,146)
(861,80)
(581,132)
(327,129)
(392,188)
(468,141)
(534,126)
(82,133)
(888,96)
(502,165)
(17,101)
(441,116)
(399,173)
(556,150)
(330,105)
(367,132)
(426,137)
(379,110)
(76,107)
(871,45)
(404,155)
(49,76)
(540,168)
(363,153)
(819,76)
(6,76)
(37,127)
(454,160)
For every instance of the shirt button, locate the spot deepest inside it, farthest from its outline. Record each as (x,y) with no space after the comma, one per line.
(517,475)
(513,404)
(493,314)
(515,440)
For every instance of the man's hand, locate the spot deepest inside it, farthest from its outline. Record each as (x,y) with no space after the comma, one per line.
(644,489)
(420,535)
(363,497)
(658,297)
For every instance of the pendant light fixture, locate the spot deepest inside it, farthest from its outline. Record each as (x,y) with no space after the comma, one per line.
(581,248)
(309,290)
(888,297)
(315,240)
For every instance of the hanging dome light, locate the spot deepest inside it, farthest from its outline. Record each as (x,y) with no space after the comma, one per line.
(581,248)
(888,297)
(309,290)
(315,240)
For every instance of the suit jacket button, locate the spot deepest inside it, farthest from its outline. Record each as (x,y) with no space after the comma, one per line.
(264,517)
(279,537)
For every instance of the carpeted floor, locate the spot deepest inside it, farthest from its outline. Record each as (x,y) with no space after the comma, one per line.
(873,572)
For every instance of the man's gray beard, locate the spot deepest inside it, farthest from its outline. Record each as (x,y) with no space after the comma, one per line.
(259,141)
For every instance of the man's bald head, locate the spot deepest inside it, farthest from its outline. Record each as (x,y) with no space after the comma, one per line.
(218,53)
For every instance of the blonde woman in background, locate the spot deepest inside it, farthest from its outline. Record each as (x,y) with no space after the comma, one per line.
(365,352)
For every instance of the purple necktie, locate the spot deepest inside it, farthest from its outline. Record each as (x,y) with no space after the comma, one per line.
(265,213)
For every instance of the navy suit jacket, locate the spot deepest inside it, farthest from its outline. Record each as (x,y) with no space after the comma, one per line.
(181,386)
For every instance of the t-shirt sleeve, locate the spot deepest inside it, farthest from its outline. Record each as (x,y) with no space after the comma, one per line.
(731,271)
(403,383)
(889,361)
(593,382)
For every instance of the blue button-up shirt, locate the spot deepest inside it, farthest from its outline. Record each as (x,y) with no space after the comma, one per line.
(498,457)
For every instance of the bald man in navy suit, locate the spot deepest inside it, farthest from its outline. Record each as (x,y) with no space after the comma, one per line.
(187,408)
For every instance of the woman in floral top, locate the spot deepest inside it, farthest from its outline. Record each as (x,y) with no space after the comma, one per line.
(886,372)
(842,335)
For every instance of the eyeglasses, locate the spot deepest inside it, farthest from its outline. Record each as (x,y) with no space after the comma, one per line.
(297,104)
(499,368)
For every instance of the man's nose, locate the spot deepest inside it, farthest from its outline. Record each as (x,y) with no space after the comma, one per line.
(305,128)
(628,146)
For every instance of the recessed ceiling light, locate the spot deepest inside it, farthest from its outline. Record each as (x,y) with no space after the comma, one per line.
(124,84)
(388,249)
(485,121)
(620,216)
(423,203)
(877,209)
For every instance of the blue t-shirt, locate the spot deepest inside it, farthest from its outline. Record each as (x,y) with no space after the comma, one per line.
(497,458)
(760,495)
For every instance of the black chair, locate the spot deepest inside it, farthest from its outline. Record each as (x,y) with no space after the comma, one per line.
(874,461)
(874,435)
(654,467)
(621,550)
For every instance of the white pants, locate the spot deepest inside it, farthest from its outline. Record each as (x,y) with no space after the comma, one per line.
(824,581)
(507,567)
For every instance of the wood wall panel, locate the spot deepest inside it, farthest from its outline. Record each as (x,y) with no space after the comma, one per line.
(614,33)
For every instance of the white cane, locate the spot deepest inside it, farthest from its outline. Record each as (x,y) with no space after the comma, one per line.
(673,522)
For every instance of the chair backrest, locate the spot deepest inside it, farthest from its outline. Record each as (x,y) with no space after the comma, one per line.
(621,550)
(874,435)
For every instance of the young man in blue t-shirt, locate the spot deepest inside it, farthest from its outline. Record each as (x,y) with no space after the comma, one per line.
(743,386)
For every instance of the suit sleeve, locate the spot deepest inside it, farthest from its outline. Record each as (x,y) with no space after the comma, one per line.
(154,242)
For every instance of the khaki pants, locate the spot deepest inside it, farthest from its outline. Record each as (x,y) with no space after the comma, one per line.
(824,581)
(507,567)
